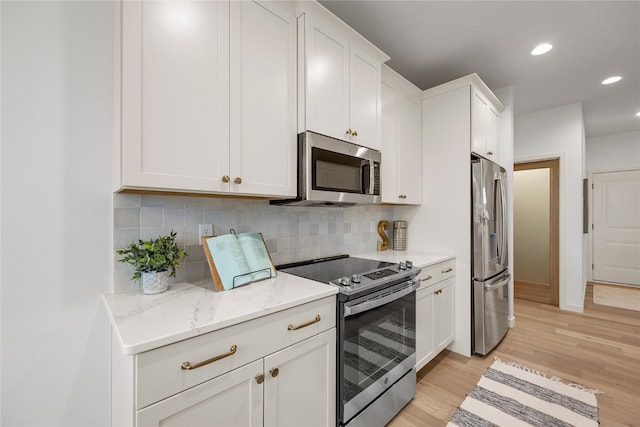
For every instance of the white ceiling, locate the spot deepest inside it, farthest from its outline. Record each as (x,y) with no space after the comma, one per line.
(432,42)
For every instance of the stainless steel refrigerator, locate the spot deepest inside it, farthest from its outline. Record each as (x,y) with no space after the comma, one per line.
(490,260)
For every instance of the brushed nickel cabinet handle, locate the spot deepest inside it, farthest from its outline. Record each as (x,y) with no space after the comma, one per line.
(489,153)
(438,292)
(311,322)
(260,378)
(187,366)
(274,372)
(429,277)
(349,131)
(354,133)
(448,270)
(225,179)
(238,180)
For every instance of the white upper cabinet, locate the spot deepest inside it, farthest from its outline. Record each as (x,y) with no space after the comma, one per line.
(206,96)
(401,140)
(485,121)
(339,79)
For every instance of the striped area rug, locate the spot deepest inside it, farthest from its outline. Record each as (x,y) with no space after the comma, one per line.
(512,395)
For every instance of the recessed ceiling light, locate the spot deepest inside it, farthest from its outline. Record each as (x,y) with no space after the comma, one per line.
(541,48)
(611,79)
(638,114)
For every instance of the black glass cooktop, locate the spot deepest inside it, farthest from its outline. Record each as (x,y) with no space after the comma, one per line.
(333,269)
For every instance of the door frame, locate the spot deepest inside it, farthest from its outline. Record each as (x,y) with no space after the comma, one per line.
(554,227)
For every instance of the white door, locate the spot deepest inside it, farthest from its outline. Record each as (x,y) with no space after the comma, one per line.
(231,400)
(302,392)
(425,349)
(616,227)
(410,151)
(263,99)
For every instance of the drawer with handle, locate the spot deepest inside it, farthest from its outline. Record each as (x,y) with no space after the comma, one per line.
(436,273)
(176,367)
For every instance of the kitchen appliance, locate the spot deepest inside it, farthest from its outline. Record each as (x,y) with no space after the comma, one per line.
(490,261)
(332,172)
(376,323)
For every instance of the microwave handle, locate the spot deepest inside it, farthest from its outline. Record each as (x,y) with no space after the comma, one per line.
(372,177)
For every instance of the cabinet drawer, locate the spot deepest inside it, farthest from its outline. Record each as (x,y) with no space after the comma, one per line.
(436,273)
(160,373)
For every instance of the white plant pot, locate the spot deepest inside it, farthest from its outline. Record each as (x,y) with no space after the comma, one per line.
(155,282)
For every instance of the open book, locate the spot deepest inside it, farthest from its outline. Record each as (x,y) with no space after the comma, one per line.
(238,259)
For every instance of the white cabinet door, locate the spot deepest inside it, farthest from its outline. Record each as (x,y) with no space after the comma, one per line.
(364,98)
(401,140)
(478,123)
(390,134)
(175,94)
(425,349)
(409,156)
(443,314)
(492,128)
(232,399)
(302,390)
(485,123)
(263,99)
(209,96)
(326,77)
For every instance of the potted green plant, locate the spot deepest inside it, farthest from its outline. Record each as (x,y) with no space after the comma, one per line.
(154,261)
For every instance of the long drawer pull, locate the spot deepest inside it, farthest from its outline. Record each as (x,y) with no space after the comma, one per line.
(448,270)
(311,322)
(429,277)
(188,366)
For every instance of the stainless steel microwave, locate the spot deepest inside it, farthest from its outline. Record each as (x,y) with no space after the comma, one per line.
(332,172)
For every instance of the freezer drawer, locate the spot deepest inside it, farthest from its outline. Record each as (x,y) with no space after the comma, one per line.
(490,312)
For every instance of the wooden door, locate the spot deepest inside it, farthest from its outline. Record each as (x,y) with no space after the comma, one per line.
(616,227)
(302,390)
(536,241)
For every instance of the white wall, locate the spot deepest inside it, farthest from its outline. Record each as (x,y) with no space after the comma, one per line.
(56,218)
(613,152)
(559,133)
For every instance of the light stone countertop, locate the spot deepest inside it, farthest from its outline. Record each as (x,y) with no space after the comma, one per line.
(144,322)
(419,258)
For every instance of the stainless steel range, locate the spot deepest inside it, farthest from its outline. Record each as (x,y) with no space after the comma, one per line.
(376,323)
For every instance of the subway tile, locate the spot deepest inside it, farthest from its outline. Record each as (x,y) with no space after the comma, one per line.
(174,202)
(151,216)
(121,200)
(173,217)
(126,218)
(150,200)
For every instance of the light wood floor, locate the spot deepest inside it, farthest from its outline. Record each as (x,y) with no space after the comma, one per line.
(599,349)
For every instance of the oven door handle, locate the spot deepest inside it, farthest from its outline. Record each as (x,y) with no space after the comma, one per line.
(381,300)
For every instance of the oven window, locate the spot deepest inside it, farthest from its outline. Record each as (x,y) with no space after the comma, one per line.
(375,342)
(337,172)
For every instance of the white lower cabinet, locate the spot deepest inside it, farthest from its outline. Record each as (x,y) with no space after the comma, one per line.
(232,399)
(293,387)
(277,370)
(434,311)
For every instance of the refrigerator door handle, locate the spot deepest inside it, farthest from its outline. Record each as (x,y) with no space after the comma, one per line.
(503,223)
(501,283)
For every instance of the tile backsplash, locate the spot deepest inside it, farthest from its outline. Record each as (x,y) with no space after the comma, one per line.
(291,233)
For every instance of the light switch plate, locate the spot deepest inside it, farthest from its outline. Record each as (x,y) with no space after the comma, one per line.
(204,230)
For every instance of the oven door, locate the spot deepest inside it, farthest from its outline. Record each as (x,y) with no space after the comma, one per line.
(376,345)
